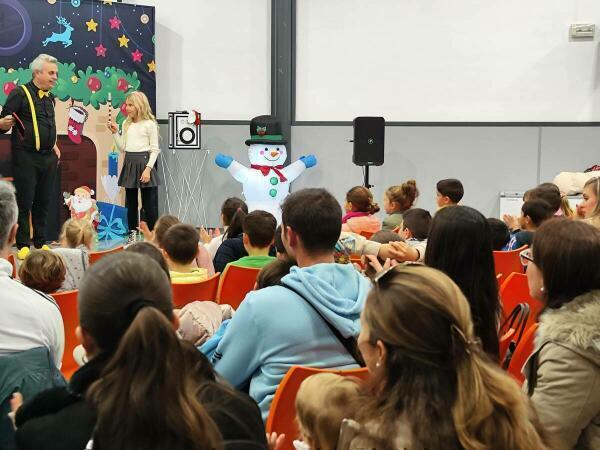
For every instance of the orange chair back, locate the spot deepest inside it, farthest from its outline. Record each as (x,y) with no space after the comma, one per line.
(185,293)
(282,416)
(367,234)
(515,290)
(522,353)
(505,341)
(13,263)
(67,302)
(508,262)
(97,256)
(235,283)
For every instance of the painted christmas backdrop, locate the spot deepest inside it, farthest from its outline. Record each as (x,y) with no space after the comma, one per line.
(105,50)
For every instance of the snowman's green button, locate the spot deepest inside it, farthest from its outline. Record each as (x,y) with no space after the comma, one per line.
(273,192)
(274,181)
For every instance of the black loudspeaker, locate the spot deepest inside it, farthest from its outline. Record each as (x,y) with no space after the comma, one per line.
(369,138)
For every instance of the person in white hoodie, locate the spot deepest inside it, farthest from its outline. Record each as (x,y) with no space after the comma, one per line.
(311,319)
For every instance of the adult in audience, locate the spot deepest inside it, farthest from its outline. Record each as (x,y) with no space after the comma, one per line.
(28,319)
(563,374)
(460,245)
(431,385)
(138,390)
(590,207)
(304,321)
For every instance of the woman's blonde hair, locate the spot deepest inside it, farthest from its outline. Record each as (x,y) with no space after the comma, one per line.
(435,375)
(323,401)
(141,103)
(43,270)
(76,232)
(594,184)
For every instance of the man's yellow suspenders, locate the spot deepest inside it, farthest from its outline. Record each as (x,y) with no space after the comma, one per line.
(36,131)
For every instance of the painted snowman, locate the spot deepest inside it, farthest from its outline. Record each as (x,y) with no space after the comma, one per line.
(266,183)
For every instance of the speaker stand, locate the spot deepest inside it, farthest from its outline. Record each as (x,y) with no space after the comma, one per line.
(366,175)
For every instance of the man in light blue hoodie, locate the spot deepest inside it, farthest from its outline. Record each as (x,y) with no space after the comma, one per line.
(275,328)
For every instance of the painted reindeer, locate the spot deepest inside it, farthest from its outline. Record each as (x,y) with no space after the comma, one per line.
(64,37)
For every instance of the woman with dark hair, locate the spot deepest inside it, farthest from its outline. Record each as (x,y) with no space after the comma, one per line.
(460,245)
(563,373)
(139,389)
(232,247)
(431,386)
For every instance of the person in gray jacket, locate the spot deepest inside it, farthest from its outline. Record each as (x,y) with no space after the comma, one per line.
(563,373)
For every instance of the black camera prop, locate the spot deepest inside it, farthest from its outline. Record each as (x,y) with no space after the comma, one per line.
(184,130)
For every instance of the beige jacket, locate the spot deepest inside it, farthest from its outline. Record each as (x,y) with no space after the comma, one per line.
(563,373)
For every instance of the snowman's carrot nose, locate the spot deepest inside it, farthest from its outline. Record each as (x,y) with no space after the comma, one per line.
(274,154)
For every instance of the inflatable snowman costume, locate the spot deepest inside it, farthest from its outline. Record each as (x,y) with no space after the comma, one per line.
(267,182)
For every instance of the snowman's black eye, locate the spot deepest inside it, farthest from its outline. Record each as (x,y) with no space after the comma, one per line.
(277,148)
(266,149)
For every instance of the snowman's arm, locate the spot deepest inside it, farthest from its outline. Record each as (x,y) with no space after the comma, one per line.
(238,171)
(294,170)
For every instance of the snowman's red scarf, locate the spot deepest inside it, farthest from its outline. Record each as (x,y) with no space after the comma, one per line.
(266,169)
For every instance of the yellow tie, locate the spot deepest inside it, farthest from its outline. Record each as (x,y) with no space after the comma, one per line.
(43,94)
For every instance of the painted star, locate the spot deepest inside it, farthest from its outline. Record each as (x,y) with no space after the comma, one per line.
(151,66)
(137,56)
(115,22)
(100,50)
(123,41)
(91,24)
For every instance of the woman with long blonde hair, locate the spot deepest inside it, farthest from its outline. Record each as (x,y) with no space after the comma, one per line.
(139,141)
(431,384)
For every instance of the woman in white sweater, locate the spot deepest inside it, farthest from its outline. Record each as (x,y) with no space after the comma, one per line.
(139,141)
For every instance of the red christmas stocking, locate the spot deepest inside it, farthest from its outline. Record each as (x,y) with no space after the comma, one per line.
(77,117)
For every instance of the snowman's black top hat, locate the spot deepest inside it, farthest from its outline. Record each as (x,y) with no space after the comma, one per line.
(265,130)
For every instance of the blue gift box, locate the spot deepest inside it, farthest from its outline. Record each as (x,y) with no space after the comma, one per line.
(113,222)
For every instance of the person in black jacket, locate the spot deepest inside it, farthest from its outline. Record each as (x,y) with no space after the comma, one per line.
(232,247)
(139,373)
(35,155)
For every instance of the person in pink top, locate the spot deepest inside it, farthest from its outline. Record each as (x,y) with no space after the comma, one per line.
(360,208)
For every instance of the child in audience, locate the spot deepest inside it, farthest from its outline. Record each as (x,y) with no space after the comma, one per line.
(500,234)
(259,232)
(232,247)
(590,207)
(180,247)
(431,385)
(449,192)
(360,208)
(280,251)
(228,210)
(415,226)
(165,222)
(533,214)
(272,273)
(42,270)
(322,402)
(152,251)
(396,200)
(76,239)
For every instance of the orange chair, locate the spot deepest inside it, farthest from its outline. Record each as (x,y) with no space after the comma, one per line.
(515,290)
(97,256)
(67,302)
(282,416)
(185,293)
(13,263)
(522,353)
(367,234)
(504,343)
(235,283)
(508,262)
